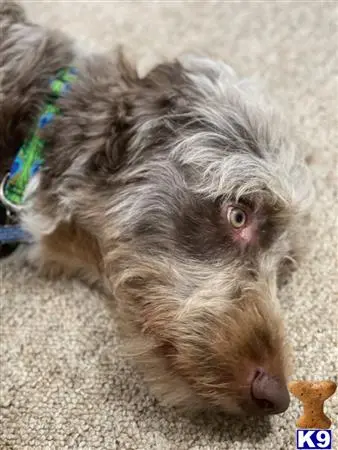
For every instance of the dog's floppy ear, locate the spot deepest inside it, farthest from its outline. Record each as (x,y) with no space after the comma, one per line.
(187,70)
(168,75)
(110,156)
(149,109)
(143,111)
(134,108)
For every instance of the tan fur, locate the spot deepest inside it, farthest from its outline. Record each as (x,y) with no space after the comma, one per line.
(71,251)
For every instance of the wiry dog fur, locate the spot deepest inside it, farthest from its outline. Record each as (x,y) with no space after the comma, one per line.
(137,177)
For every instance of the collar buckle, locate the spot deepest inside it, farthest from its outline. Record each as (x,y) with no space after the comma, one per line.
(10,206)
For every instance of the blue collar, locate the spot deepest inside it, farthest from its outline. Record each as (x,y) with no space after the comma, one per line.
(28,162)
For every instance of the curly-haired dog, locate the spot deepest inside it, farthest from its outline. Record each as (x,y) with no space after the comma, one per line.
(175,190)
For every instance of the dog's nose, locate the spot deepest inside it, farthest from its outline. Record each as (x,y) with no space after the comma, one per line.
(269,393)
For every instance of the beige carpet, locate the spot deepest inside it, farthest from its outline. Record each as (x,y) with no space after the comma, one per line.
(64,384)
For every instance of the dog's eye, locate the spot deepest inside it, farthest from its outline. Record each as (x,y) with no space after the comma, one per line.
(236,217)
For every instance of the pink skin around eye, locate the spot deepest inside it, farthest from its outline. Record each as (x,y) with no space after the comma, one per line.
(247,234)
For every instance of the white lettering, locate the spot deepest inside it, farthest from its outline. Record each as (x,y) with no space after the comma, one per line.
(304,437)
(323,439)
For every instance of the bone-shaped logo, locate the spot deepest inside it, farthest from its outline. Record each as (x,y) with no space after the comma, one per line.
(313,395)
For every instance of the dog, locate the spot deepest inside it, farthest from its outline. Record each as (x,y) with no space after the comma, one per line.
(179,194)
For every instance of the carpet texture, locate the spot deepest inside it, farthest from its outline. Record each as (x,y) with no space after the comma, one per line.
(64,382)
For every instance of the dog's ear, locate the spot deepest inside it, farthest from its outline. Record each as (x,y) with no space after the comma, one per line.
(168,75)
(142,113)
(149,109)
(189,70)
(164,90)
(111,155)
(114,101)
(153,106)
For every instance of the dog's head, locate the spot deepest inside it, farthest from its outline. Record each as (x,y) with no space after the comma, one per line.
(198,200)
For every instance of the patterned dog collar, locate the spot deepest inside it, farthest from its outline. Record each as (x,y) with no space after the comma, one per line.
(30,155)
(29,159)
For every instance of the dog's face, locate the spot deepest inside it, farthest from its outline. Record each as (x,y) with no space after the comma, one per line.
(193,199)
(200,218)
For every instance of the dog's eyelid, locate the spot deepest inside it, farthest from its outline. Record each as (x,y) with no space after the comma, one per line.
(224,200)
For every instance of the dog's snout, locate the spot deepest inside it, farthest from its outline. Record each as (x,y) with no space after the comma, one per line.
(269,393)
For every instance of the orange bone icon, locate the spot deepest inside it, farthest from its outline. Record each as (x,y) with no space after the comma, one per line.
(313,395)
